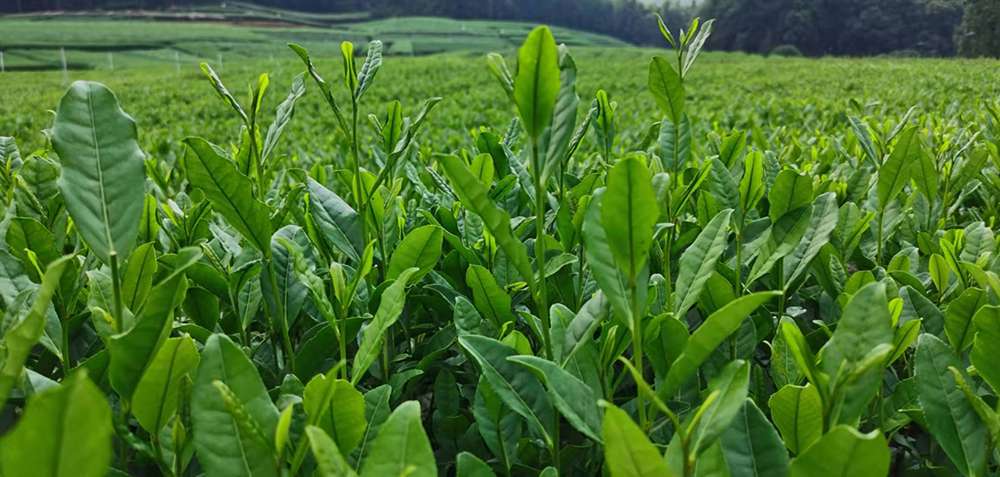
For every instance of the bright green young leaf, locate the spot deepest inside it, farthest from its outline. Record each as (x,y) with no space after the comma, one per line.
(401,447)
(22,336)
(339,224)
(389,309)
(64,432)
(420,248)
(894,174)
(629,213)
(536,85)
(329,461)
(667,88)
(336,407)
(959,317)
(223,445)
(844,451)
(797,412)
(627,450)
(986,346)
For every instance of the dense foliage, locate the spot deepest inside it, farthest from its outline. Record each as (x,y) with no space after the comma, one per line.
(592,289)
(979,33)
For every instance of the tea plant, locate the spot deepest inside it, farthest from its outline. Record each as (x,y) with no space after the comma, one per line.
(567,296)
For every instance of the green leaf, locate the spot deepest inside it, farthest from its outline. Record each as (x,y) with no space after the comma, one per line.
(698,261)
(339,223)
(516,386)
(601,261)
(825,216)
(229,191)
(373,337)
(536,85)
(22,336)
(716,415)
(959,317)
(491,300)
(986,346)
(667,88)
(103,173)
(421,248)
(468,465)
(139,274)
(751,446)
(629,213)
(627,450)
(752,182)
(895,172)
(329,461)
(373,61)
(131,351)
(950,417)
(335,406)
(783,236)
(797,412)
(572,397)
(401,447)
(223,446)
(844,451)
(790,191)
(864,325)
(64,432)
(283,116)
(156,396)
(716,328)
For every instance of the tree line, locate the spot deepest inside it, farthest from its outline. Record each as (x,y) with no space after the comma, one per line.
(808,27)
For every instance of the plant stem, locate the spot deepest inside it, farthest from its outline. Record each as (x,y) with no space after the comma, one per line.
(739,261)
(117,291)
(541,293)
(359,193)
(637,353)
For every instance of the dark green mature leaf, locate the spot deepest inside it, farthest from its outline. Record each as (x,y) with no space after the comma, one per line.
(698,261)
(516,386)
(139,274)
(536,85)
(667,88)
(844,451)
(572,397)
(336,220)
(229,191)
(223,446)
(627,450)
(950,417)
(22,336)
(64,432)
(783,237)
(401,447)
(751,446)
(103,173)
(716,328)
(629,213)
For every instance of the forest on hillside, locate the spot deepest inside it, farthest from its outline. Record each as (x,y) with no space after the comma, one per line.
(809,27)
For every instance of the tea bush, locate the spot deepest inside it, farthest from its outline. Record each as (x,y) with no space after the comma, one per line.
(582,292)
